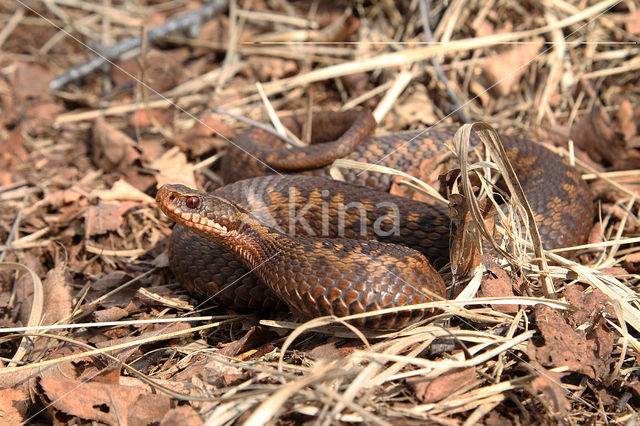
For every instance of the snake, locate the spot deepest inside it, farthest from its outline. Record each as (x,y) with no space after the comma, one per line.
(283,234)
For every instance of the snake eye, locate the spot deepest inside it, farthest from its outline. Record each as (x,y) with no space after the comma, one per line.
(192,202)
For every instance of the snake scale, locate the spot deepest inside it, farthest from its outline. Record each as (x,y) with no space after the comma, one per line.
(323,247)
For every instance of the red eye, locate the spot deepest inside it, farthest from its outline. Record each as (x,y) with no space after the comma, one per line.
(192,202)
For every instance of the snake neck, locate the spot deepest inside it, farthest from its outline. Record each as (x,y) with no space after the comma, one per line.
(252,243)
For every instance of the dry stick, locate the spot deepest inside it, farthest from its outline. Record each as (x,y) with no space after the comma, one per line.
(491,140)
(458,106)
(378,62)
(559,49)
(277,124)
(113,52)
(37,306)
(11,25)
(15,226)
(409,56)
(259,125)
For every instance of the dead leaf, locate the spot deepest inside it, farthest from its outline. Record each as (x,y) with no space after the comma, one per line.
(13,406)
(62,197)
(581,352)
(357,83)
(182,415)
(40,116)
(110,281)
(466,243)
(125,71)
(330,352)
(256,336)
(416,107)
(588,303)
(112,149)
(208,133)
(107,403)
(57,300)
(113,313)
(164,69)
(30,80)
(632,22)
(173,167)
(432,390)
(494,418)
(498,284)
(503,71)
(105,217)
(625,120)
(267,68)
(429,171)
(122,190)
(594,134)
(213,371)
(145,118)
(547,387)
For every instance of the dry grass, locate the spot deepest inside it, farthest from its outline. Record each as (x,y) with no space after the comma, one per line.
(372,381)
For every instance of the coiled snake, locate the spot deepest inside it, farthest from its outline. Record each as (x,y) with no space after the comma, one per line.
(325,247)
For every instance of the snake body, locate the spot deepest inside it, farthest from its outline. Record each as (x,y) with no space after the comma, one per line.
(363,215)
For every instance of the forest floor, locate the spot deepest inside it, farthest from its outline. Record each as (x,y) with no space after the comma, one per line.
(83,247)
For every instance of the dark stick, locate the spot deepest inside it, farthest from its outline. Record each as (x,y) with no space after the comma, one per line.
(424,14)
(112,53)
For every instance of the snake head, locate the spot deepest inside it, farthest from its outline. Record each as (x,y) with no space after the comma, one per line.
(204,213)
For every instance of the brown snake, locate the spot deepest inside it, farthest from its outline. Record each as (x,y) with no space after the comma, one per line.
(329,276)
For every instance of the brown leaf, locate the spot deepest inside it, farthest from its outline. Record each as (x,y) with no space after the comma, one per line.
(547,386)
(255,337)
(13,151)
(30,80)
(268,68)
(13,406)
(416,107)
(114,313)
(498,285)
(107,403)
(330,352)
(62,197)
(110,281)
(173,167)
(213,372)
(105,217)
(164,69)
(432,390)
(183,415)
(588,303)
(580,351)
(632,22)
(57,300)
(505,70)
(209,133)
(357,83)
(122,190)
(625,120)
(595,135)
(144,118)
(633,257)
(125,71)
(467,239)
(494,418)
(112,149)
(40,116)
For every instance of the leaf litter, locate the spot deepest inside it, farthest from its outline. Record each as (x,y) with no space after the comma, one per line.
(79,168)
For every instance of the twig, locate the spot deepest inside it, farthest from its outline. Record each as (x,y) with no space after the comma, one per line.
(262,126)
(458,107)
(194,18)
